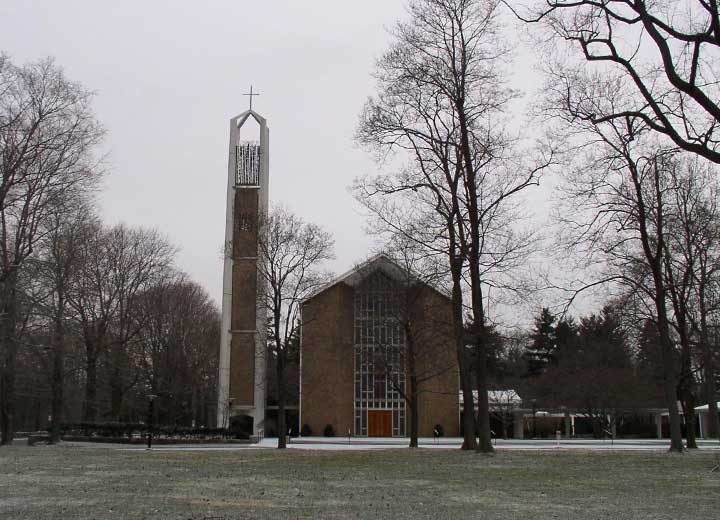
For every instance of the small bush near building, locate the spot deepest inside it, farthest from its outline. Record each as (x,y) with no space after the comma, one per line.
(329,431)
(439,430)
(306,431)
(241,426)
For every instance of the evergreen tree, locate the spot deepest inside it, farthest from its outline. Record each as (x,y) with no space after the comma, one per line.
(593,369)
(541,351)
(606,337)
(565,334)
(648,367)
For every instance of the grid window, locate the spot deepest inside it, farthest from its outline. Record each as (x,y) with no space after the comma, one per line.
(379,348)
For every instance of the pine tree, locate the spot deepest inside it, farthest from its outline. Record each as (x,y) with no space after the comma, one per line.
(565,334)
(542,350)
(648,368)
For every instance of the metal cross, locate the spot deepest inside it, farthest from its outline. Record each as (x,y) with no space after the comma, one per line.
(251,96)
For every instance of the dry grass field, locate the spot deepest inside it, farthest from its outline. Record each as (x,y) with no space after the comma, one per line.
(64,482)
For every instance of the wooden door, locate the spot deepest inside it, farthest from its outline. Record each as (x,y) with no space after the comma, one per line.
(379,423)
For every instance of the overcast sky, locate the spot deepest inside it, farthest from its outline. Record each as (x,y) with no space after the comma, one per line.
(170,74)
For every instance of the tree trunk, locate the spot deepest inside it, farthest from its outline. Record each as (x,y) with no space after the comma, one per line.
(597,427)
(685,388)
(483,417)
(710,390)
(690,421)
(411,398)
(413,404)
(90,408)
(654,256)
(7,392)
(568,424)
(468,416)
(194,412)
(282,427)
(669,378)
(478,311)
(116,391)
(57,378)
(8,326)
(57,384)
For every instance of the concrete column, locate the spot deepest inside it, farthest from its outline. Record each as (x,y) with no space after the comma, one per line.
(658,425)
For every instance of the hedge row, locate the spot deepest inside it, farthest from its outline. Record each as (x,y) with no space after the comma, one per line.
(114,429)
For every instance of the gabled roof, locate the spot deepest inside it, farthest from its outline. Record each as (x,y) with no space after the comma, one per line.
(379,262)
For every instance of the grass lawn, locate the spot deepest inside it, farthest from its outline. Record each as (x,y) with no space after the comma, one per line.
(71,482)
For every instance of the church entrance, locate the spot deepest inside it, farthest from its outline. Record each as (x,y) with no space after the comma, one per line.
(380,423)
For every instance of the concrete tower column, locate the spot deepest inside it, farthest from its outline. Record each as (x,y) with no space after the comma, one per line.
(242,364)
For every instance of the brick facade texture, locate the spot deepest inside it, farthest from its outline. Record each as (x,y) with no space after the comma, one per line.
(242,369)
(327,373)
(244,298)
(438,400)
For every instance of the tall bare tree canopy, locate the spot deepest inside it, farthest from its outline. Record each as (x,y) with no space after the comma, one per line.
(633,87)
(106,322)
(440,102)
(178,328)
(663,58)
(117,264)
(47,136)
(292,253)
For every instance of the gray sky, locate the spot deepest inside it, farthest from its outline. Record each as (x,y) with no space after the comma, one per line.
(170,74)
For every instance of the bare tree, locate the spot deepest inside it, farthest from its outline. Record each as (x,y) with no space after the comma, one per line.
(56,270)
(291,252)
(616,205)
(139,258)
(691,264)
(664,55)
(47,135)
(116,264)
(441,92)
(706,280)
(178,327)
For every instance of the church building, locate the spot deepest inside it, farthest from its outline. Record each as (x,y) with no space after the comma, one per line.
(363,335)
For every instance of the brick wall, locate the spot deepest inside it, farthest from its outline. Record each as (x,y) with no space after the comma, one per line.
(244,298)
(327,361)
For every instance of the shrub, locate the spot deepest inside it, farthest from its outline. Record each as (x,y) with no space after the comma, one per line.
(439,430)
(329,431)
(306,431)
(241,426)
(117,430)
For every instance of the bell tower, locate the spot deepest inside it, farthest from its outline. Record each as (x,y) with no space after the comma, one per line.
(242,364)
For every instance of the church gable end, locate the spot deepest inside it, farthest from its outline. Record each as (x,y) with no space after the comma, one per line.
(354,369)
